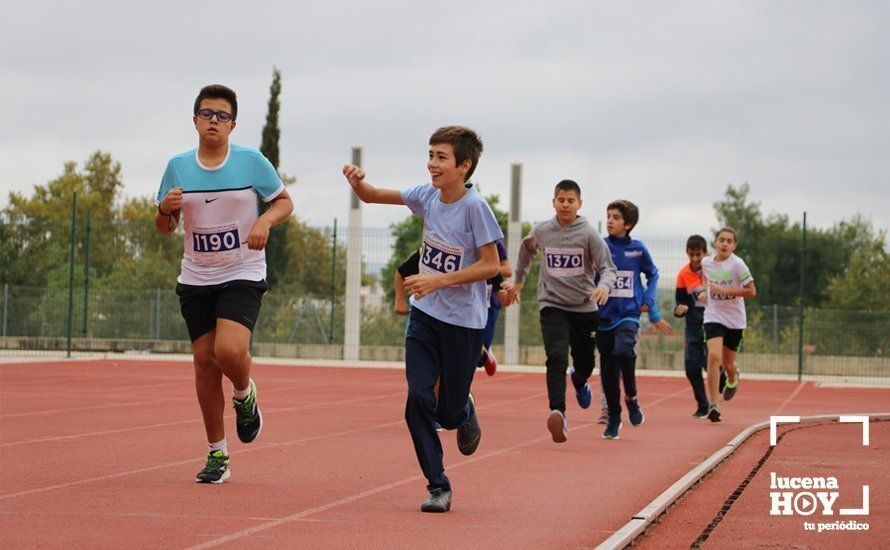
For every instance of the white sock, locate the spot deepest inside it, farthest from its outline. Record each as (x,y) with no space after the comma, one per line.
(219,446)
(241,394)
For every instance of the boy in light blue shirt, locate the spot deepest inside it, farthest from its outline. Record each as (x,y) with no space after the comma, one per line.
(448,298)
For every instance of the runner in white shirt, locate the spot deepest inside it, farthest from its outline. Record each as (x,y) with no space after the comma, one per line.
(727,281)
(222,281)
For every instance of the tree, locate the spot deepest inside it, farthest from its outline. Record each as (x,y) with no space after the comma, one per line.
(271,132)
(276,246)
(863,283)
(36,248)
(771,246)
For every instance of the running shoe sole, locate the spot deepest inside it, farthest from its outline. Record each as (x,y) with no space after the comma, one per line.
(226,475)
(557,425)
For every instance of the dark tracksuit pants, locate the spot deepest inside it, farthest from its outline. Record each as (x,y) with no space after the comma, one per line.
(561,330)
(695,355)
(436,350)
(618,359)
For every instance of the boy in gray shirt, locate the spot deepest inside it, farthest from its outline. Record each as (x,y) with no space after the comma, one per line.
(573,254)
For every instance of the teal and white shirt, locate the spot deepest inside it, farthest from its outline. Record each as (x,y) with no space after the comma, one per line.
(727,310)
(219,209)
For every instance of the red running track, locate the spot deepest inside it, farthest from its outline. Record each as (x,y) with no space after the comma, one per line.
(104,454)
(812,449)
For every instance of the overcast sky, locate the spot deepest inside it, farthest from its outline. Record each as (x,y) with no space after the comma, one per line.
(662,103)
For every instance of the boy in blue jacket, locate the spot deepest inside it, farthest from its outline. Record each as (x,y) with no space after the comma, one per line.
(619,332)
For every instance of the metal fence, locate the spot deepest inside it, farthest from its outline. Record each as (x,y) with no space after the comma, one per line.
(115,293)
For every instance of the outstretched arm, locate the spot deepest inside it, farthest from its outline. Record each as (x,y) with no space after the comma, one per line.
(527,249)
(605,267)
(367,192)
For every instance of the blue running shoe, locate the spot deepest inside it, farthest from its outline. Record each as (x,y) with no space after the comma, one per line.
(634,413)
(613,427)
(582,392)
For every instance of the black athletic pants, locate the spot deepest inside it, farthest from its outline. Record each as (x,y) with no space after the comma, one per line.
(561,330)
(618,359)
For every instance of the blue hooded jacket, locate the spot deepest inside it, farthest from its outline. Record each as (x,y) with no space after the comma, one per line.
(628,295)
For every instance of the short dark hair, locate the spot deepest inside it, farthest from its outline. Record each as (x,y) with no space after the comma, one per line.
(727,229)
(466,144)
(629,212)
(567,185)
(217,91)
(697,242)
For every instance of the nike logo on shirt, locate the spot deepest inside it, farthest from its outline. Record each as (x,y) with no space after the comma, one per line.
(210,200)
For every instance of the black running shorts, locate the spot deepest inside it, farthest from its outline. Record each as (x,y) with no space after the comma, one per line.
(237,300)
(732,337)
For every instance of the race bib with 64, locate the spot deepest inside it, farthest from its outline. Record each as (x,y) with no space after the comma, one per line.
(624,285)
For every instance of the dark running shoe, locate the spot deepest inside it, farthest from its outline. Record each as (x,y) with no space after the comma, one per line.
(634,413)
(700,412)
(470,433)
(722,380)
(613,427)
(731,388)
(713,412)
(216,469)
(248,418)
(438,502)
(558,426)
(582,391)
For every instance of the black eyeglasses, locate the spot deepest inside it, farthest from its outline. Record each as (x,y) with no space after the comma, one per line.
(221,116)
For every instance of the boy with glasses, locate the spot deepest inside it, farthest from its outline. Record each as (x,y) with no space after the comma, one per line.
(213,188)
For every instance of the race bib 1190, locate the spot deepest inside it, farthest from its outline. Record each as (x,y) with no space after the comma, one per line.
(216,246)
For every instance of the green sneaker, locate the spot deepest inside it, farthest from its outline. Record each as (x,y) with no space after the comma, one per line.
(249,419)
(731,388)
(216,469)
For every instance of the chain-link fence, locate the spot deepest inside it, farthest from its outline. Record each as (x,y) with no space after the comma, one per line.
(117,295)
